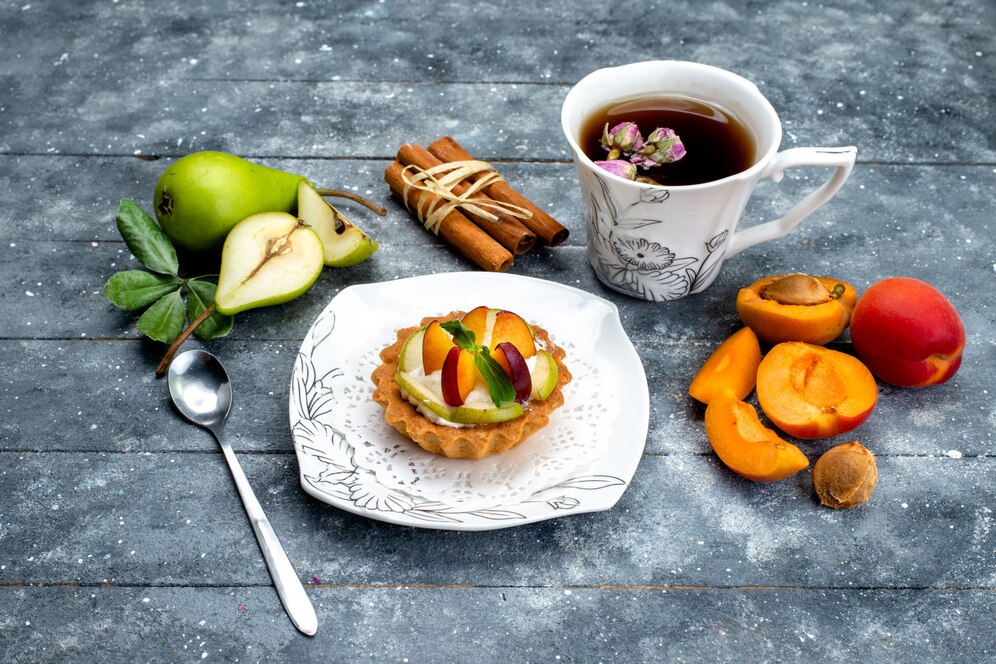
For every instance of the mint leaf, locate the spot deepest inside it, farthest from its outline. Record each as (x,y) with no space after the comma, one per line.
(137,289)
(200,295)
(146,240)
(462,335)
(164,320)
(499,386)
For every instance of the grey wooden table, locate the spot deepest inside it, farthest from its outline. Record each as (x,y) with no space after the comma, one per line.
(121,536)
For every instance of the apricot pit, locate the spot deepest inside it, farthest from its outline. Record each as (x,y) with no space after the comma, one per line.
(845,476)
(797,307)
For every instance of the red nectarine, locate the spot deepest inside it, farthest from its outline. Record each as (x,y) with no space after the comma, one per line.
(907,333)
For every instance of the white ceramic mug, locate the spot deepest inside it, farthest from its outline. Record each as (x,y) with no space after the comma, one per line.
(664,242)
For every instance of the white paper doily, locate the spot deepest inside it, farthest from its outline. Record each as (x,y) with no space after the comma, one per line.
(351,458)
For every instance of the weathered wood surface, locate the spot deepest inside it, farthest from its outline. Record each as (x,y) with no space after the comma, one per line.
(121,537)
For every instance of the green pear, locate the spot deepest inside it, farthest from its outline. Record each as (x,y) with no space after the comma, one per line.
(545,376)
(202,196)
(268,258)
(345,244)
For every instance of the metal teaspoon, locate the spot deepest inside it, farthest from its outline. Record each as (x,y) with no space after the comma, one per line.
(202,392)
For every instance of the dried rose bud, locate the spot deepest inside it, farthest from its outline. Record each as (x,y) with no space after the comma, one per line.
(624,137)
(619,167)
(662,146)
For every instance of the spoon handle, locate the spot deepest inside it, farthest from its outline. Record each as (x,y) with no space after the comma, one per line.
(285,579)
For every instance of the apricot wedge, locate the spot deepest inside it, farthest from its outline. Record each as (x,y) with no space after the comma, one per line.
(476,320)
(809,391)
(745,445)
(809,318)
(459,376)
(733,364)
(436,344)
(510,328)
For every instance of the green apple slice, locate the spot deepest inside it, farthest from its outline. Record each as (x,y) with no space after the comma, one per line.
(544,376)
(344,243)
(466,414)
(411,353)
(268,258)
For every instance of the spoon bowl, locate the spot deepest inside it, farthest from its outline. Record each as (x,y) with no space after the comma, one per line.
(201,389)
(202,392)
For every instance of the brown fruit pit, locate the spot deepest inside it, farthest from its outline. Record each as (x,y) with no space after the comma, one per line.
(845,476)
(797,288)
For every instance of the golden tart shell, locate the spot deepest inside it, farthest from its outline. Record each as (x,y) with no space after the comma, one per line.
(470,442)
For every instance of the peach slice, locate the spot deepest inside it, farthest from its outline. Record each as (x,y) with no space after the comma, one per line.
(509,327)
(733,364)
(436,343)
(745,445)
(477,322)
(459,376)
(809,391)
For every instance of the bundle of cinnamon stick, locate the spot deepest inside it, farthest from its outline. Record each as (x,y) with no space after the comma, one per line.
(469,204)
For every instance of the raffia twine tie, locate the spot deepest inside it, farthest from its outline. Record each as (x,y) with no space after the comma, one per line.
(441,180)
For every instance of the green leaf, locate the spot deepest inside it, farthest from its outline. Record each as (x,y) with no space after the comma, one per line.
(200,295)
(499,386)
(145,239)
(164,320)
(462,335)
(137,289)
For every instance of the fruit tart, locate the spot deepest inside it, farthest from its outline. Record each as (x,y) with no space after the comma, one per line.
(469,385)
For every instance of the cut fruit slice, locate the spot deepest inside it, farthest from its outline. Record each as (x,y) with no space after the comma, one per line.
(343,243)
(511,328)
(436,343)
(413,387)
(745,445)
(411,353)
(734,365)
(544,376)
(518,372)
(459,376)
(477,322)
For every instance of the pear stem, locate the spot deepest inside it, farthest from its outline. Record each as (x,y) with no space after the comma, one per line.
(173,347)
(365,202)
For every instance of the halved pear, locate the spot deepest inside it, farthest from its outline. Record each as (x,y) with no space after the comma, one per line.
(344,243)
(544,376)
(268,258)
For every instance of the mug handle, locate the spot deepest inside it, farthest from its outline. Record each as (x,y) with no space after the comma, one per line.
(840,158)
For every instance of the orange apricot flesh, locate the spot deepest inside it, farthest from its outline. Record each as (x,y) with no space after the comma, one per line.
(745,445)
(436,344)
(775,322)
(734,365)
(510,327)
(809,391)
(476,321)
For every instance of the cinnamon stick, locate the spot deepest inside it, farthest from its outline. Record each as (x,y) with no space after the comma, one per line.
(546,227)
(455,228)
(506,229)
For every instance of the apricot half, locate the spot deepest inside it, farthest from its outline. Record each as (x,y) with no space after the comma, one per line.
(908,333)
(797,307)
(745,445)
(733,365)
(809,391)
